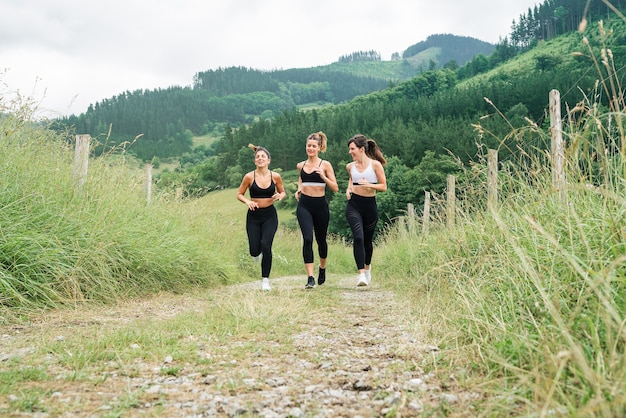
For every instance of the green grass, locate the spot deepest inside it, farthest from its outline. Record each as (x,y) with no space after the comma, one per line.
(528,300)
(205,140)
(386,70)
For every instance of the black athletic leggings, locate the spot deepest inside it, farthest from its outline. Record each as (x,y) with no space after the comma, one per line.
(261,225)
(313,216)
(362,215)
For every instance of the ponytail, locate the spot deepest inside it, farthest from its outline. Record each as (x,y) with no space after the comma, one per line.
(257,148)
(372,150)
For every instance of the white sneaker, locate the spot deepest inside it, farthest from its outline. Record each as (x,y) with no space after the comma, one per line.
(257,258)
(368,276)
(362,280)
(265,284)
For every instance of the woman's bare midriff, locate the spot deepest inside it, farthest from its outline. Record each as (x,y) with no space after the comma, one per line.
(313,191)
(263,202)
(363,191)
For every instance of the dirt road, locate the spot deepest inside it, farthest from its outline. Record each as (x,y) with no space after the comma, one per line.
(358,356)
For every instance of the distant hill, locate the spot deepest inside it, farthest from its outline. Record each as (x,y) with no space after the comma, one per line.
(445,48)
(435,52)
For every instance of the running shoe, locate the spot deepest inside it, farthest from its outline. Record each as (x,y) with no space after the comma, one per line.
(310,284)
(321,278)
(362,281)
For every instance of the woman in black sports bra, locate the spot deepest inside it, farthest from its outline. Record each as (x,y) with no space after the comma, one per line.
(312,212)
(265,187)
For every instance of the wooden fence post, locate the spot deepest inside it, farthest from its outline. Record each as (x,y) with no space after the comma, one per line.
(410,213)
(557,149)
(148,181)
(492,178)
(426,219)
(81,161)
(451,199)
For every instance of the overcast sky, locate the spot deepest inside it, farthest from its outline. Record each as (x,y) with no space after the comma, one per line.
(67,54)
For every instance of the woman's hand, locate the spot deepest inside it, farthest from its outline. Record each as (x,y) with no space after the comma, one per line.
(252,205)
(297,194)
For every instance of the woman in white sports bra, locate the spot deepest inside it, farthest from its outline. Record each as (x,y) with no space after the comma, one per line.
(367,176)
(312,212)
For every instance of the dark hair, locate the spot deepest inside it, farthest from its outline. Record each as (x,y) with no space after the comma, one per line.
(372,149)
(257,148)
(321,139)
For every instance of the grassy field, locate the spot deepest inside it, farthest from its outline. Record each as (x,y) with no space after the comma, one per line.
(205,140)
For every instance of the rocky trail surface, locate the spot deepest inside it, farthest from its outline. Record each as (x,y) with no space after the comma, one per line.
(358,358)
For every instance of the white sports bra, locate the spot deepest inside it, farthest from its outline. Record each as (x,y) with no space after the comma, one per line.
(368,174)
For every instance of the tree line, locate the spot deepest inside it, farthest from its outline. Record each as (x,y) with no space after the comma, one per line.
(361,56)
(235,96)
(556,17)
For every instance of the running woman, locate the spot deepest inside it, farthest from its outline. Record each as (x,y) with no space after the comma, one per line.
(265,188)
(367,176)
(312,211)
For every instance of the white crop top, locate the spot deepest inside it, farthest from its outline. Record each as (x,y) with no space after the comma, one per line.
(368,173)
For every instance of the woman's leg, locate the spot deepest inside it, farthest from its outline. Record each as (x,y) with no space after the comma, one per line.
(355,220)
(321,220)
(268,231)
(305,220)
(253,229)
(369,229)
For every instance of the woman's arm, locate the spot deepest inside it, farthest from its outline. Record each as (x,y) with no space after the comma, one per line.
(280,189)
(381,186)
(328,175)
(349,188)
(299,189)
(241,192)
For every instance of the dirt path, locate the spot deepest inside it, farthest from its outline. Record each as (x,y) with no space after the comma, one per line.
(359,358)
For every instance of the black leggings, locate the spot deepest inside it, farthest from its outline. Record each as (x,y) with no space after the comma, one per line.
(261,226)
(313,215)
(362,215)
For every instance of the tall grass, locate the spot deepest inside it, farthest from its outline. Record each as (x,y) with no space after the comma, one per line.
(58,246)
(528,300)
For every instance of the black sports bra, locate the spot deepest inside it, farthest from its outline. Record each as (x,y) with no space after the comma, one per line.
(311,179)
(259,193)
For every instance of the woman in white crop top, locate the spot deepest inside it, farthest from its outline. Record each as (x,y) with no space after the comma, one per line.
(367,176)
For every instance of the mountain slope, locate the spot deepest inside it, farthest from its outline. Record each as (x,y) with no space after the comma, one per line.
(435,52)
